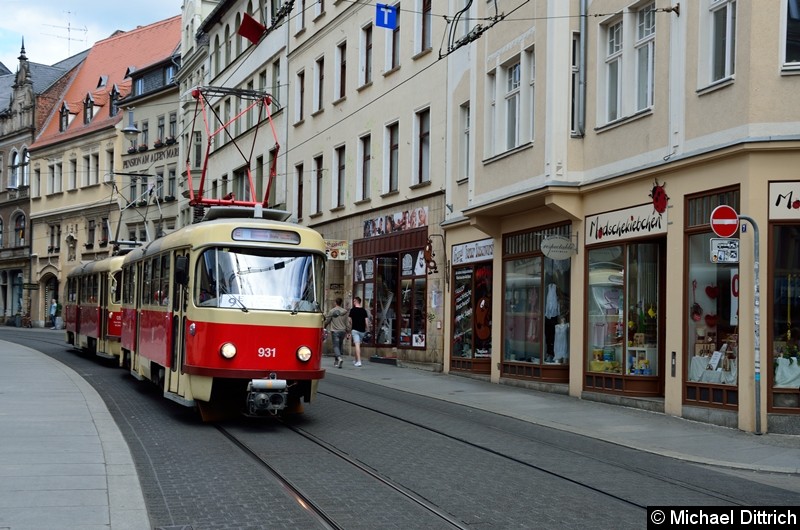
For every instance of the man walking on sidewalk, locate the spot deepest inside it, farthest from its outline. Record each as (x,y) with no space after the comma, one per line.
(337,320)
(357,326)
(53,312)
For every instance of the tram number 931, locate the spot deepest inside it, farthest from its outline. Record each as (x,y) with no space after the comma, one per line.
(267,352)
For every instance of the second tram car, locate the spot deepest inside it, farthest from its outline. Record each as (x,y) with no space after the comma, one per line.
(227,313)
(92,310)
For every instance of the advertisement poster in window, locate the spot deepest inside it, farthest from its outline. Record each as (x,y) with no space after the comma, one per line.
(462,315)
(483,311)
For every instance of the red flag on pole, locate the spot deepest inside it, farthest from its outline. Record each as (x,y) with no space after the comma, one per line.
(251,29)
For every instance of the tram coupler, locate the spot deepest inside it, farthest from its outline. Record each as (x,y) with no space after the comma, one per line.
(266,396)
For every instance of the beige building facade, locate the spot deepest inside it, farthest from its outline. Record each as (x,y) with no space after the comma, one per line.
(607,134)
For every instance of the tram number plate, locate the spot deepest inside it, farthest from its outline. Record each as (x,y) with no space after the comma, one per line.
(267,352)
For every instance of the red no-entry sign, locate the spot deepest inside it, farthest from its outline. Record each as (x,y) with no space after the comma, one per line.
(724,221)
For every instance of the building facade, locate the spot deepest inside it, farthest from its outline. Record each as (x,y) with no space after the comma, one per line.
(76,191)
(31,93)
(606,133)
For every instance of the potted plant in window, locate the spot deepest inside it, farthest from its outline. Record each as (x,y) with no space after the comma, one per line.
(131,150)
(158,143)
(142,202)
(169,198)
(103,242)
(170,140)
(143,148)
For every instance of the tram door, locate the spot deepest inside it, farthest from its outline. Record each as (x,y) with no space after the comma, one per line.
(178,303)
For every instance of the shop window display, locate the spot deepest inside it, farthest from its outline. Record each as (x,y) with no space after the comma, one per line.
(536,317)
(394,290)
(786,316)
(713,315)
(622,309)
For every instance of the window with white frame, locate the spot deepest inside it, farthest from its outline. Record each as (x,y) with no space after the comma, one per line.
(465,126)
(94,169)
(491,111)
(393,44)
(299,17)
(319,8)
(340,81)
(340,159)
(791,52)
(422,169)
(365,58)
(392,160)
(512,109)
(276,85)
(88,109)
(319,83)
(645,55)
(13,171)
(298,170)
(248,118)
(86,171)
(575,88)
(613,70)
(424,22)
(228,46)
(723,39)
(318,178)
(73,175)
(530,67)
(363,171)
(299,95)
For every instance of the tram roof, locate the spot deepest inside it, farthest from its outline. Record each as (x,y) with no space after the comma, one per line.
(217,229)
(109,264)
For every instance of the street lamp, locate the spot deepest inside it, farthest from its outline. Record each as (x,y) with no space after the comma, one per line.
(130,130)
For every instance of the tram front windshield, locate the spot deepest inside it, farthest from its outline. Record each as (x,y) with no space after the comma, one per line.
(248,278)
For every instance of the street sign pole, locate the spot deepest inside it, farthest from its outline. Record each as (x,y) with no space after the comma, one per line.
(757,322)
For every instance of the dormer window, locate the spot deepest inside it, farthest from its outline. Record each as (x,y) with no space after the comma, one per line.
(102,81)
(63,118)
(114,97)
(138,86)
(88,109)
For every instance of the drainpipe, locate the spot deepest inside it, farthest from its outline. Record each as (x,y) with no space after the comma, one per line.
(582,70)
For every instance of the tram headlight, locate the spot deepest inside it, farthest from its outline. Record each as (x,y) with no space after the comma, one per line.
(304,353)
(228,350)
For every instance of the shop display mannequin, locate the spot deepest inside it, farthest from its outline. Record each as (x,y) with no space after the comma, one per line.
(561,342)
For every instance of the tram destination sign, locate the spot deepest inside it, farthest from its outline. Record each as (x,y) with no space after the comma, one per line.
(724,250)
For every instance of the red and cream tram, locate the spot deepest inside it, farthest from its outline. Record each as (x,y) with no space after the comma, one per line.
(226,314)
(92,312)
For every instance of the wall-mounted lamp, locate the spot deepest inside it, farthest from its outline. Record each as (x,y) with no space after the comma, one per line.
(130,130)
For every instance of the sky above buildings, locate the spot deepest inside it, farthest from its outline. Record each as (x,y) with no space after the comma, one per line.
(56,29)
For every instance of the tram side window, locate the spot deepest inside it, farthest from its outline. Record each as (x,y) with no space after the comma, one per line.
(72,290)
(129,283)
(116,287)
(164,286)
(147,284)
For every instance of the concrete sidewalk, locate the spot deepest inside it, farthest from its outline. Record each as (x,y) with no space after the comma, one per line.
(638,429)
(63,461)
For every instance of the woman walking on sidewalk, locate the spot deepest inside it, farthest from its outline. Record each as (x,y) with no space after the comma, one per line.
(357,326)
(337,319)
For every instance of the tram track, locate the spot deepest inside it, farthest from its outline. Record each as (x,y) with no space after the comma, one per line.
(307,500)
(715,495)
